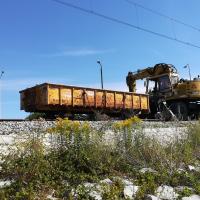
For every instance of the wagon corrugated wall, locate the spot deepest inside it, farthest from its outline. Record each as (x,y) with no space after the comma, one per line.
(62,98)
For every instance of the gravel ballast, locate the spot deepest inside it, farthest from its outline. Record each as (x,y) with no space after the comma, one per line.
(11,131)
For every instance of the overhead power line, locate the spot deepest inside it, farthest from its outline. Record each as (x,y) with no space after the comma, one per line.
(118,21)
(163,15)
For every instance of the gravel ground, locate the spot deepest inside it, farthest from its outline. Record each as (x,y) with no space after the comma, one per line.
(11,131)
(12,127)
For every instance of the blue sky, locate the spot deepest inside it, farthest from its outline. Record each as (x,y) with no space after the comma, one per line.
(42,41)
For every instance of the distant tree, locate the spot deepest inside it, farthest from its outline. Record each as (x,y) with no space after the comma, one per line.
(35,115)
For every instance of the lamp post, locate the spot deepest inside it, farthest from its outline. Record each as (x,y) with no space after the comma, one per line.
(101,70)
(2,72)
(188,66)
(1,107)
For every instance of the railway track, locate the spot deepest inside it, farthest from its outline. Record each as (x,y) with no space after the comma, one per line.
(145,120)
(20,120)
(12,120)
(51,120)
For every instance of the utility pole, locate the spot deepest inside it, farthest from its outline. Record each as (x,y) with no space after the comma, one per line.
(1,105)
(101,70)
(188,66)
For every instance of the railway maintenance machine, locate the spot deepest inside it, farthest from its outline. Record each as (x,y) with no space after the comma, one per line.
(170,97)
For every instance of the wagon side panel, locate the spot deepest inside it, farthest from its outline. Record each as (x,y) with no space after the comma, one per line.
(128,101)
(66,96)
(53,95)
(90,98)
(144,103)
(119,100)
(110,100)
(136,101)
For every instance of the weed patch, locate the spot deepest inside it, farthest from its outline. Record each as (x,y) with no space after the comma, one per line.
(81,155)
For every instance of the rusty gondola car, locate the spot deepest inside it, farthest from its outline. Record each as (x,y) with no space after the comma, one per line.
(58,100)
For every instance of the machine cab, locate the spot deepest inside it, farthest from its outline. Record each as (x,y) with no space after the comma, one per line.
(161,84)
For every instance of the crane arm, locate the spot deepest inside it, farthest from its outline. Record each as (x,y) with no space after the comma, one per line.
(149,72)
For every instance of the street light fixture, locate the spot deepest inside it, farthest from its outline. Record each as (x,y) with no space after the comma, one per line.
(188,66)
(101,70)
(2,72)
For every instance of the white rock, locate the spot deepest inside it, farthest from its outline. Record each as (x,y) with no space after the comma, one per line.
(152,197)
(166,192)
(96,195)
(130,191)
(106,181)
(89,185)
(144,170)
(93,192)
(191,168)
(126,182)
(193,197)
(5,183)
(49,197)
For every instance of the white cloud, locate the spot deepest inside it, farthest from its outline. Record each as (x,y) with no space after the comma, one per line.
(79,52)
(16,84)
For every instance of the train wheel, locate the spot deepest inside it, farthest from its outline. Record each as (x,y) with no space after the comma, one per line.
(180,109)
(99,116)
(127,114)
(197,117)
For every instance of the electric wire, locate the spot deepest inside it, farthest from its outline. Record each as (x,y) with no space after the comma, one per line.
(137,15)
(163,15)
(173,29)
(119,21)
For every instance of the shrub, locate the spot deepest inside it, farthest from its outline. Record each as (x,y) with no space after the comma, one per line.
(34,116)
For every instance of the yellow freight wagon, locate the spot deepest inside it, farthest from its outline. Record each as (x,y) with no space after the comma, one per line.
(58,100)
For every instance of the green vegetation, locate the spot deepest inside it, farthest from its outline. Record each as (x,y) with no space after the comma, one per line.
(81,154)
(35,115)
